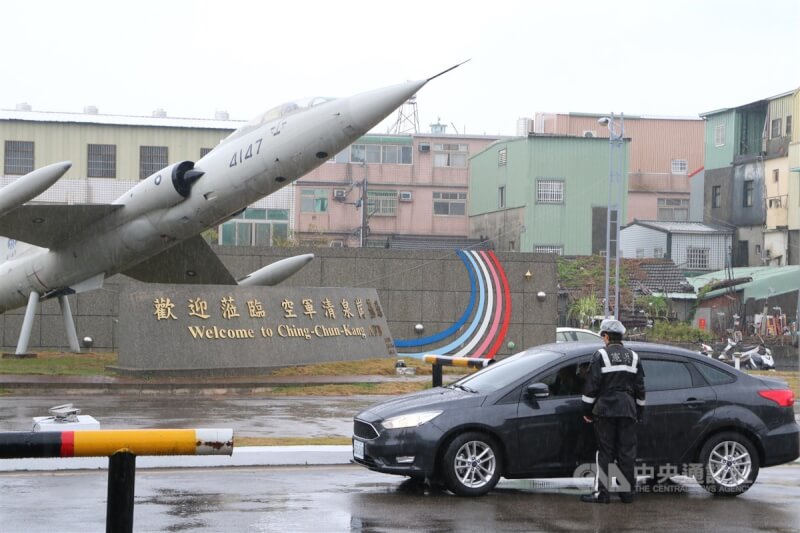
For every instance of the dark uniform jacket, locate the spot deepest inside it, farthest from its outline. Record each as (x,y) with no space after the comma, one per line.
(614,384)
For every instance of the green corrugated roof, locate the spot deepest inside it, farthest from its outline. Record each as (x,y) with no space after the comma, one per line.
(766,281)
(381,139)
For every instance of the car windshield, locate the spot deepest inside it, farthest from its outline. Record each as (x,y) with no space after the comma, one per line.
(507,371)
(281,111)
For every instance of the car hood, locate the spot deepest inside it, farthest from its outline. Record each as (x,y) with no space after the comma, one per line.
(439,398)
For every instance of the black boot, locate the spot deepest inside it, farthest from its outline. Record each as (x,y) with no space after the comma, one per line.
(595,497)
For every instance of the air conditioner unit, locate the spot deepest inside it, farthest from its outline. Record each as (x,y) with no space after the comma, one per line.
(424,147)
(405,196)
(336,244)
(339,194)
(589,134)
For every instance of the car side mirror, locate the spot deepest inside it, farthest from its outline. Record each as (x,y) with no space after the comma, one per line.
(537,390)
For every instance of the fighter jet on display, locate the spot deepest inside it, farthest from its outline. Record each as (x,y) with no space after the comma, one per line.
(152,232)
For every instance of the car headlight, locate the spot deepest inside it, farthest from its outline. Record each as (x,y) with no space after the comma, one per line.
(410,419)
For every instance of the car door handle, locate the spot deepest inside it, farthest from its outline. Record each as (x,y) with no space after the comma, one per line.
(694,402)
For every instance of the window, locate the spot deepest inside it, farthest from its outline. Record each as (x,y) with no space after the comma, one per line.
(719,135)
(550,191)
(777,127)
(697,257)
(19,157)
(673,209)
(501,197)
(640,253)
(502,157)
(151,160)
(716,193)
(376,153)
(747,194)
(665,375)
(381,203)
(547,249)
(314,200)
(658,252)
(450,155)
(450,203)
(396,154)
(568,380)
(102,161)
(204,152)
(789,126)
(680,166)
(714,376)
(776,174)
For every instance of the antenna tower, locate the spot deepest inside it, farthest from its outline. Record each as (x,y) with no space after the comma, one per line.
(407,118)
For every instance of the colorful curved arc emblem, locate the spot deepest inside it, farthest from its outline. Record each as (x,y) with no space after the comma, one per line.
(489,320)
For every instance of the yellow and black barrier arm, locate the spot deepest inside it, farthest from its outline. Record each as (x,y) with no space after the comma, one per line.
(121,446)
(448,360)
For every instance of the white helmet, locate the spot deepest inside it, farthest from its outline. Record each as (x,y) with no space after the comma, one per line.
(610,325)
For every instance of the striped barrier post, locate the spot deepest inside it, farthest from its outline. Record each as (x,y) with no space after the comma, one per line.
(437,361)
(121,447)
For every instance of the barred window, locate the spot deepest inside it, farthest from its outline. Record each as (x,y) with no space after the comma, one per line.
(382,203)
(19,157)
(658,252)
(747,194)
(697,257)
(501,197)
(151,160)
(549,249)
(550,191)
(102,161)
(205,151)
(680,166)
(450,203)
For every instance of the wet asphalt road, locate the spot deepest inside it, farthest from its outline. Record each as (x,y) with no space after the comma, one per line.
(352,499)
(247,415)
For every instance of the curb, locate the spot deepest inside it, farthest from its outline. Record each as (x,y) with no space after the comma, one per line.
(243,456)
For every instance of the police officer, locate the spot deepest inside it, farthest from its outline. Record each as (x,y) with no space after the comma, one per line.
(613,400)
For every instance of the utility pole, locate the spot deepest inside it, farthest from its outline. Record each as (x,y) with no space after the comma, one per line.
(615,178)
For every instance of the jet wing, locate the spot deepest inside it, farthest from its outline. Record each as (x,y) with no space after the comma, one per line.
(46,225)
(190,262)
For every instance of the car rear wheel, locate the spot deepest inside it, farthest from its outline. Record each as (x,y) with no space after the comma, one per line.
(472,464)
(730,464)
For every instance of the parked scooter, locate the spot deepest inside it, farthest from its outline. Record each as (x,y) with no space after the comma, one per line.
(757,357)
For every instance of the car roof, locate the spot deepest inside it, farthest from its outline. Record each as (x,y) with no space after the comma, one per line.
(575,349)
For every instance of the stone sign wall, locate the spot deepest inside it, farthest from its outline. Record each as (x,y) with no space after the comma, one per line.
(185,328)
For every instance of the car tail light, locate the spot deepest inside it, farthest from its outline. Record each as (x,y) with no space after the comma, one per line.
(783,397)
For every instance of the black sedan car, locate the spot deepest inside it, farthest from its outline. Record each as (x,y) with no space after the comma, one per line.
(521,418)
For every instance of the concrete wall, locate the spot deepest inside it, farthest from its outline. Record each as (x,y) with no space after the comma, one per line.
(431,288)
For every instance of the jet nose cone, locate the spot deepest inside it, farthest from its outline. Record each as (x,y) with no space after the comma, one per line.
(369,108)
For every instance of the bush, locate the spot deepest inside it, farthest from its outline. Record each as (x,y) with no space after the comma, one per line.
(664,331)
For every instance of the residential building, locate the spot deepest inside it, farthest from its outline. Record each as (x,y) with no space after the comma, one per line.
(747,178)
(664,154)
(692,246)
(793,188)
(389,188)
(544,193)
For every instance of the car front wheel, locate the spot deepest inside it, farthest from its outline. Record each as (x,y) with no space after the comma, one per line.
(730,464)
(472,464)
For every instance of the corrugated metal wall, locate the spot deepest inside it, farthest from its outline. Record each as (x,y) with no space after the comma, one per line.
(637,237)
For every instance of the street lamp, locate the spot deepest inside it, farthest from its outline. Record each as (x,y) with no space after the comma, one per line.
(615,166)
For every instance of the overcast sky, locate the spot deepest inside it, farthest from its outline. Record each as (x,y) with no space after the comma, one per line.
(191,58)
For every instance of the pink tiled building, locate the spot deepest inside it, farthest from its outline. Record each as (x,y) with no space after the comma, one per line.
(412,186)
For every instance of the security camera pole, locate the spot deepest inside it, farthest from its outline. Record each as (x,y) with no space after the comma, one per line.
(615,166)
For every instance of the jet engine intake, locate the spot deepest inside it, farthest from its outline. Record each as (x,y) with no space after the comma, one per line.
(161,190)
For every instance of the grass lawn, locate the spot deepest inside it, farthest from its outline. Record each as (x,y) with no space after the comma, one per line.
(61,364)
